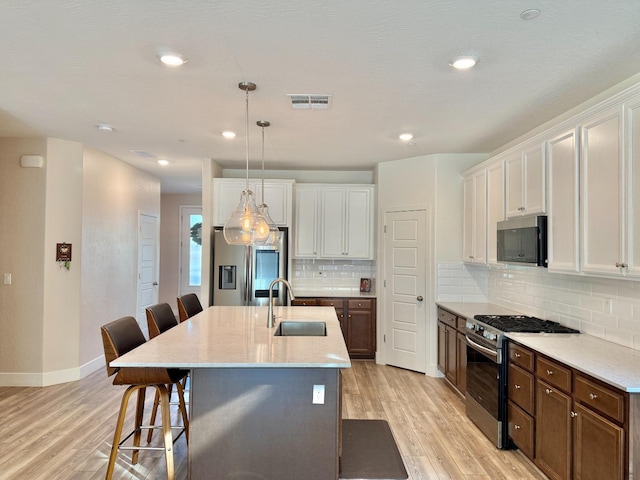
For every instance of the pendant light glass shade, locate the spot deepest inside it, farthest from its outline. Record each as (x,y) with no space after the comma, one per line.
(274,232)
(246,225)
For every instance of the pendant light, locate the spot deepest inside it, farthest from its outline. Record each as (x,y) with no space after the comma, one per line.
(246,225)
(274,232)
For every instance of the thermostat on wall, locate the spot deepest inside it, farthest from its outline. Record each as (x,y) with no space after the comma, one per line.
(31,161)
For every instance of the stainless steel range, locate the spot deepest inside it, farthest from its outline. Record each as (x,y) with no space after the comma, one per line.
(486,396)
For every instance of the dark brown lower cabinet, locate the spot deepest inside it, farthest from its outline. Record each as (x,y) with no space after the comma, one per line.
(582,425)
(357,317)
(452,349)
(553,431)
(598,446)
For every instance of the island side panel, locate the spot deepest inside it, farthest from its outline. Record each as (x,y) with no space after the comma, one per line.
(261,423)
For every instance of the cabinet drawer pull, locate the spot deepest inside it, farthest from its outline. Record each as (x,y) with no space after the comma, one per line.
(549,372)
(517,355)
(593,396)
(516,427)
(349,315)
(517,387)
(548,391)
(573,414)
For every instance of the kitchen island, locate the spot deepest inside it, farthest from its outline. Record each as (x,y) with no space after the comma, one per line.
(261,406)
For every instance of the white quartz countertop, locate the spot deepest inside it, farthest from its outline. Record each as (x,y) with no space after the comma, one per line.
(607,361)
(468,310)
(237,337)
(332,293)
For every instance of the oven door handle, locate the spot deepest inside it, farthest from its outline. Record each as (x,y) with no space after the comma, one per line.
(481,348)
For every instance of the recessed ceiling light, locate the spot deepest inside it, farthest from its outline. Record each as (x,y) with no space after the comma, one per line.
(530,14)
(229,134)
(405,137)
(104,127)
(172,59)
(163,162)
(464,62)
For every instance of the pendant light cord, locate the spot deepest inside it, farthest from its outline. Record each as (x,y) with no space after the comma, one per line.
(246,137)
(262,164)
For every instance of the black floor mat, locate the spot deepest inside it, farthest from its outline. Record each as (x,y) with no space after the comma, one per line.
(369,451)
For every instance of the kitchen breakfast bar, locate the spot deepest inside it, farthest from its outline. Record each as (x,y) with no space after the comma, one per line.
(262,405)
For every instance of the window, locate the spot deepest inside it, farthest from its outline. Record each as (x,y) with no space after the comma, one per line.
(190,249)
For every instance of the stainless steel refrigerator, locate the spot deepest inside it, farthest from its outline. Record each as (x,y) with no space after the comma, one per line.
(242,275)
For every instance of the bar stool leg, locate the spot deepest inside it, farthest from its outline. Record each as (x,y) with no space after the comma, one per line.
(166,429)
(118,432)
(154,412)
(183,411)
(138,422)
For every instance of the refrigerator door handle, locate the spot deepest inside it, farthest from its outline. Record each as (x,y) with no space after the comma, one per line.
(250,274)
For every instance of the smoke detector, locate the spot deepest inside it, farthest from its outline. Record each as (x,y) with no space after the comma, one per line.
(310,101)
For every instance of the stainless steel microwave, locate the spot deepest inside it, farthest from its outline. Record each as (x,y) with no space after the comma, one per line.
(523,241)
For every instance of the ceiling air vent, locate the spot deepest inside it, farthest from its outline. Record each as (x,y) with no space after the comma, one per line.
(143,153)
(310,101)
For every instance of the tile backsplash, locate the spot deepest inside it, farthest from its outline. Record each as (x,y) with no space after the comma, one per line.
(312,274)
(605,308)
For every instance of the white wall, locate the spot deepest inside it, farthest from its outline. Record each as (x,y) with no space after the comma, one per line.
(22,230)
(114,194)
(63,220)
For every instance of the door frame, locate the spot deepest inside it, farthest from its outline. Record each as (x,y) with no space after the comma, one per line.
(181,248)
(141,322)
(431,368)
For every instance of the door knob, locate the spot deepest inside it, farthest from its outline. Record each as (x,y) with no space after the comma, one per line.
(420,298)
(155,284)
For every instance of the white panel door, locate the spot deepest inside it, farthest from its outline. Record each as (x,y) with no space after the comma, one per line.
(147,266)
(406,244)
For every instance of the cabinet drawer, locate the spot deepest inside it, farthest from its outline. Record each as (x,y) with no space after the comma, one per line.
(304,302)
(462,324)
(600,398)
(553,373)
(331,302)
(521,429)
(521,356)
(447,317)
(521,388)
(358,304)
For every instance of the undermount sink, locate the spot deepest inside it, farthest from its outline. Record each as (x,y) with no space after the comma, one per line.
(301,329)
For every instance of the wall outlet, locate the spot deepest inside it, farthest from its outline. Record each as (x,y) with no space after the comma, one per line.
(608,306)
(7,279)
(318,394)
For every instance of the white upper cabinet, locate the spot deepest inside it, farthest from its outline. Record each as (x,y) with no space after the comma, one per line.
(563,202)
(278,195)
(602,194)
(495,207)
(474,244)
(305,229)
(632,205)
(334,221)
(525,181)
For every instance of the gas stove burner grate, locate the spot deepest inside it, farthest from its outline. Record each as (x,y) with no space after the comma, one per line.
(523,324)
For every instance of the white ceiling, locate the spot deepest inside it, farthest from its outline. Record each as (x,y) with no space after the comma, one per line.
(69,65)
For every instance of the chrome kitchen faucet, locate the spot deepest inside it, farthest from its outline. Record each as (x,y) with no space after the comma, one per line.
(271,318)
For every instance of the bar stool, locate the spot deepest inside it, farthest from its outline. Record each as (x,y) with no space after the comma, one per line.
(122,336)
(188,306)
(160,318)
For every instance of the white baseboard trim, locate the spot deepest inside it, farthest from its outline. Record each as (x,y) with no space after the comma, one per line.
(44,379)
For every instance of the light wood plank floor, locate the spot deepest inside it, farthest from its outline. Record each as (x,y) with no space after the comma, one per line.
(65,431)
